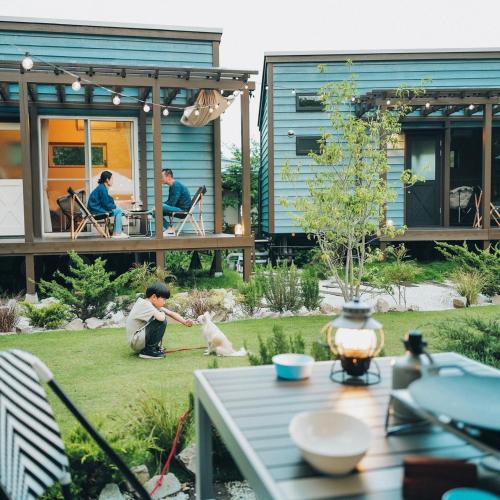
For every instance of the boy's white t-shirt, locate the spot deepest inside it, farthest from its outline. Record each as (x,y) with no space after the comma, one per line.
(142,312)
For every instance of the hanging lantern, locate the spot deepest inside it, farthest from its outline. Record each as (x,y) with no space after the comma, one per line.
(352,337)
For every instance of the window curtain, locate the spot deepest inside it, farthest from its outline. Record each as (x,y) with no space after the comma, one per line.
(47,222)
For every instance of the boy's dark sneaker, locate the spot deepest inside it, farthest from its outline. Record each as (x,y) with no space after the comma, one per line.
(151,353)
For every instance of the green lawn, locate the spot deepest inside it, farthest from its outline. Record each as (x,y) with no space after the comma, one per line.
(100,374)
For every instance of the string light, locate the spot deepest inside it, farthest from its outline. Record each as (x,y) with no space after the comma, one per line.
(197,112)
(27,62)
(116,100)
(210,110)
(353,98)
(471,106)
(76,85)
(388,102)
(236,93)
(294,91)
(246,86)
(217,106)
(427,105)
(267,87)
(146,108)
(165,112)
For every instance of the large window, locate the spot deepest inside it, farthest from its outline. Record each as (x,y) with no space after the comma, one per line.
(308,102)
(307,144)
(74,153)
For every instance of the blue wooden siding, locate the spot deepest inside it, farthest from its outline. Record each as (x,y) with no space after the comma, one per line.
(99,49)
(189,153)
(304,77)
(264,171)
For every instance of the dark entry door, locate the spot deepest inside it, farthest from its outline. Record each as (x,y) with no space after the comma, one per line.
(423,199)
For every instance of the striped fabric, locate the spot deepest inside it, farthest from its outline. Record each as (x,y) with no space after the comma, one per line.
(32,454)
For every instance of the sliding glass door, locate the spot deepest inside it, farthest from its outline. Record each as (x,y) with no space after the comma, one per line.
(74,152)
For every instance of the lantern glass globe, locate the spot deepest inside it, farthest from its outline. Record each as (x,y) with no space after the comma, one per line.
(354,343)
(146,108)
(27,62)
(116,100)
(76,85)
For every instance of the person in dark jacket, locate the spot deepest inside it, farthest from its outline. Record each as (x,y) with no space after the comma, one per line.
(100,202)
(179,198)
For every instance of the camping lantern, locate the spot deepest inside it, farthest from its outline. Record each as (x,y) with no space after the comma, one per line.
(352,337)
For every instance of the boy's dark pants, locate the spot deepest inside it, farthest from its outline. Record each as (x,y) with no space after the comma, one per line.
(154,332)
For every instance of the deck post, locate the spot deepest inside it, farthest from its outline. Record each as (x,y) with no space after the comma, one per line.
(158,191)
(160,260)
(247,263)
(24,120)
(446,174)
(245,177)
(487,145)
(30,273)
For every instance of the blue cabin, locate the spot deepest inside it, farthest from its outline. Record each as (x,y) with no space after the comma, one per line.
(79,98)
(451,138)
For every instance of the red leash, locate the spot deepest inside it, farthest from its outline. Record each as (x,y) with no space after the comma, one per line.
(171,454)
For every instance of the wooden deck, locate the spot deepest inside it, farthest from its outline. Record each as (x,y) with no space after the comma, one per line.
(447,234)
(61,245)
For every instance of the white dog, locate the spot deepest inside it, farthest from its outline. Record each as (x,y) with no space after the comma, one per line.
(216,341)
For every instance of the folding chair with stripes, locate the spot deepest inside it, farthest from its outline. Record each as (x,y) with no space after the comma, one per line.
(32,456)
(81,213)
(188,216)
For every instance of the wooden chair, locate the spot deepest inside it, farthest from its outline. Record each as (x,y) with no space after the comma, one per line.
(31,443)
(495,213)
(81,215)
(478,219)
(196,205)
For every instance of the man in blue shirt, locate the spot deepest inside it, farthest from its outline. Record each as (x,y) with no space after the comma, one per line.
(179,198)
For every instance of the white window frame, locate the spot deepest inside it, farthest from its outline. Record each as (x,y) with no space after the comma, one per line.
(87,119)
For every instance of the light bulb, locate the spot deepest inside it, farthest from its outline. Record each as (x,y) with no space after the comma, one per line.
(116,100)
(217,106)
(197,112)
(246,86)
(221,92)
(427,105)
(27,62)
(210,110)
(353,98)
(267,87)
(236,93)
(165,112)
(471,106)
(294,91)
(388,102)
(146,108)
(76,85)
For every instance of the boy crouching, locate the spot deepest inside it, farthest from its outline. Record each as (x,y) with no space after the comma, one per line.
(147,322)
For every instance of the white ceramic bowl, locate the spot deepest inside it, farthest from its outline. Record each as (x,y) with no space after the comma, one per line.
(293,366)
(332,442)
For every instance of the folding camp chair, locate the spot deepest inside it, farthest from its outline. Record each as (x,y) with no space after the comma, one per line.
(64,203)
(79,212)
(495,213)
(32,456)
(188,216)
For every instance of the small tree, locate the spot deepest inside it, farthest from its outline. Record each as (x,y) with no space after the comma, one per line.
(344,208)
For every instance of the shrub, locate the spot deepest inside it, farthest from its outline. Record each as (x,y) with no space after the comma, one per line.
(309,284)
(146,274)
(153,419)
(177,262)
(486,261)
(320,351)
(91,469)
(197,302)
(251,296)
(281,287)
(49,316)
(471,336)
(88,288)
(468,283)
(8,314)
(277,343)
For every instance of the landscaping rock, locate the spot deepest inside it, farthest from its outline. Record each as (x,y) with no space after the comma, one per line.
(382,306)
(32,298)
(495,300)
(413,307)
(483,299)
(459,302)
(287,314)
(399,308)
(23,325)
(327,308)
(75,324)
(229,301)
(141,473)
(188,457)
(47,301)
(240,490)
(169,486)
(116,319)
(111,492)
(93,323)
(179,496)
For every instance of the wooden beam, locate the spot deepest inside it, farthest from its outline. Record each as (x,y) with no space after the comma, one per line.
(4,91)
(170,96)
(160,260)
(144,94)
(30,273)
(245,162)
(446,174)
(158,191)
(61,94)
(487,153)
(475,109)
(215,54)
(442,234)
(89,93)
(32,92)
(217,173)
(143,160)
(247,263)
(26,159)
(449,110)
(270,148)
(36,173)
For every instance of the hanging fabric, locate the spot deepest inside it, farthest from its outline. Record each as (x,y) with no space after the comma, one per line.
(210,104)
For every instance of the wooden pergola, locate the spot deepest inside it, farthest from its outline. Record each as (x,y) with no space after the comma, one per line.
(446,106)
(158,85)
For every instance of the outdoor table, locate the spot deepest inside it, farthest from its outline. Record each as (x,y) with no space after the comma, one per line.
(251,410)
